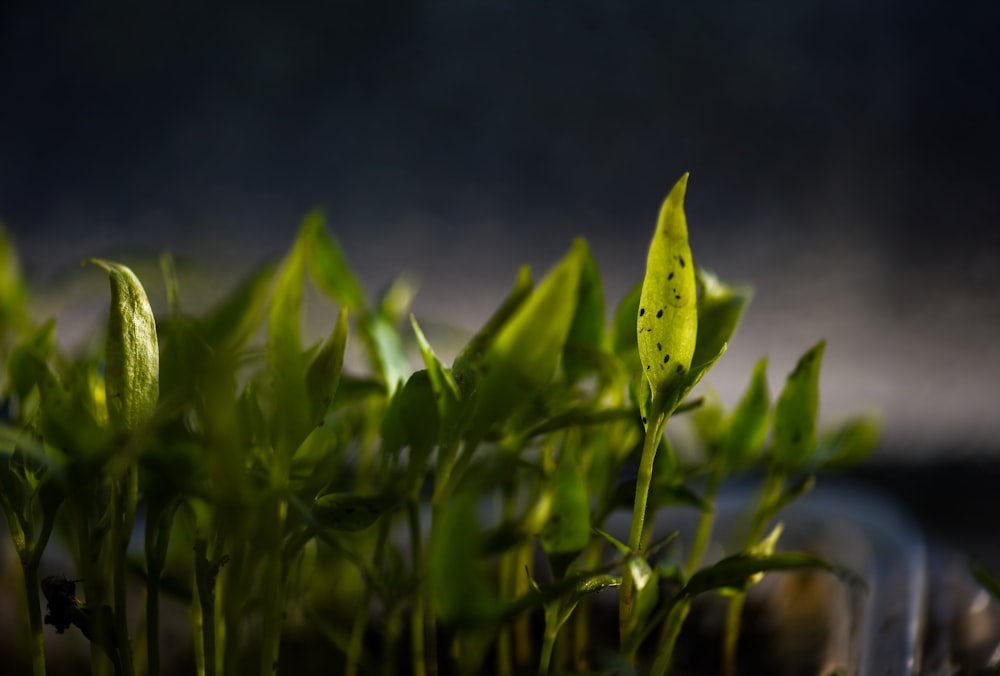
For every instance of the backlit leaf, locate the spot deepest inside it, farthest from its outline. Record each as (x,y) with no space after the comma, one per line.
(233,321)
(328,265)
(733,573)
(523,357)
(667,323)
(323,374)
(468,362)
(795,413)
(132,357)
(587,329)
(719,310)
(746,428)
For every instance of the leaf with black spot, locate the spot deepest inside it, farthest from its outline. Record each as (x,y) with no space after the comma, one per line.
(795,413)
(668,310)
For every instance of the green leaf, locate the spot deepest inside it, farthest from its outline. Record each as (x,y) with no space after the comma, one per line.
(233,321)
(746,428)
(22,367)
(458,584)
(586,331)
(523,357)
(623,340)
(568,529)
(412,418)
(328,265)
(645,595)
(795,413)
(284,353)
(848,444)
(386,348)
(350,511)
(132,357)
(734,573)
(446,390)
(469,360)
(792,493)
(323,374)
(720,308)
(667,323)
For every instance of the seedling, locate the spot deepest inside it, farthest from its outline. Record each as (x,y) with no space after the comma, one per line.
(277,490)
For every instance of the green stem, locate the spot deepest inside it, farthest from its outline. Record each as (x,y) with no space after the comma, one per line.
(417,638)
(773,485)
(654,432)
(153,625)
(94,579)
(31,586)
(671,632)
(126,496)
(706,522)
(548,643)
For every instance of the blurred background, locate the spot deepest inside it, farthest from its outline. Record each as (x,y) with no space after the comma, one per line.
(844,161)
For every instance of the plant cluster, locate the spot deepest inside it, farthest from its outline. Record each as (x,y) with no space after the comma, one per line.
(448,519)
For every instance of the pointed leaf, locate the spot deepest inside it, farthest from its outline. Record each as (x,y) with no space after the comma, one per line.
(667,323)
(132,357)
(720,308)
(234,320)
(746,428)
(328,265)
(623,340)
(323,375)
(523,357)
(734,572)
(587,328)
(795,412)
(446,390)
(284,353)
(849,444)
(468,363)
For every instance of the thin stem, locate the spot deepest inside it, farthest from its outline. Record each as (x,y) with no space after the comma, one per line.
(31,586)
(548,643)
(656,422)
(671,632)
(417,638)
(773,485)
(153,625)
(706,522)
(124,502)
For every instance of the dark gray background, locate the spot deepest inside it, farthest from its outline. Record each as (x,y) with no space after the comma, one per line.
(844,160)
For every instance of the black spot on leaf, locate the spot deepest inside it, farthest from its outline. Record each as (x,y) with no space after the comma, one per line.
(642,311)
(670,276)
(659,314)
(659,346)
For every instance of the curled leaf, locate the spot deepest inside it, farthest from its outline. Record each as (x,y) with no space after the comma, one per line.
(132,357)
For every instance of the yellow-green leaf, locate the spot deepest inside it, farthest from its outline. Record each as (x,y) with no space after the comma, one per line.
(795,412)
(132,357)
(323,375)
(668,310)
(746,427)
